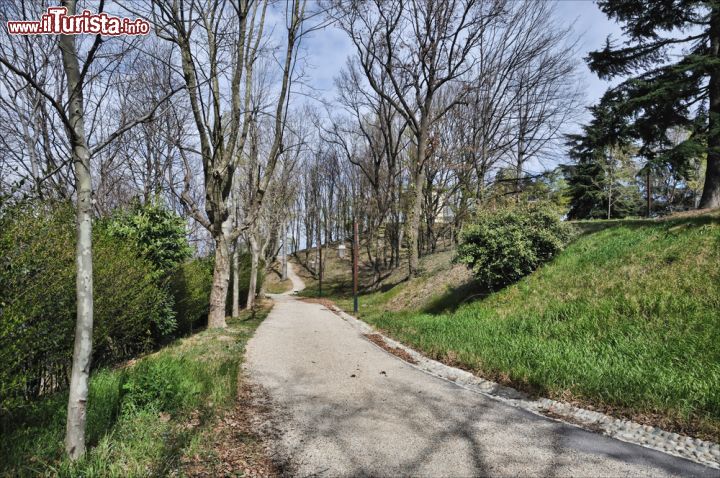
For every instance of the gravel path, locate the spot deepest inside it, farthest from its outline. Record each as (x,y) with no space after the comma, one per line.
(344,407)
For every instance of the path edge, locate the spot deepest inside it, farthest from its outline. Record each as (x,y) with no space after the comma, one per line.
(693,449)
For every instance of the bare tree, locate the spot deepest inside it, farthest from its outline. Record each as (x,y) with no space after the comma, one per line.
(373,140)
(140,165)
(32,135)
(545,93)
(231,35)
(421,46)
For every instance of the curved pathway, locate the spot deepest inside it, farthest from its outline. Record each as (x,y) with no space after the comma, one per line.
(297,283)
(344,407)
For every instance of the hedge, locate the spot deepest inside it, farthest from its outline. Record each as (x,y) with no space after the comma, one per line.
(135,305)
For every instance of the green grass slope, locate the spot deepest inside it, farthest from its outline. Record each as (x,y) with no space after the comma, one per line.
(626,320)
(152,418)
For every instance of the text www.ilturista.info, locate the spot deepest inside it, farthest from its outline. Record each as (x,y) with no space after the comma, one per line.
(57,22)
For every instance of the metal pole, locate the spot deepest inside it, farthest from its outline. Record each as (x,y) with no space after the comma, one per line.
(356,247)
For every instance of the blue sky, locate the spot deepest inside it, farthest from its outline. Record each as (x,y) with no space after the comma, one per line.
(593,26)
(327,50)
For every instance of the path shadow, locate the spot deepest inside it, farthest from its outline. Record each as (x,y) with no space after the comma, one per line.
(455,297)
(428,433)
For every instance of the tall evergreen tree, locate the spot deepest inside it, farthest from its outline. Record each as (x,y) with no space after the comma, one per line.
(600,183)
(660,93)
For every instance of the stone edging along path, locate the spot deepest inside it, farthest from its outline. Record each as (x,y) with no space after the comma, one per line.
(699,451)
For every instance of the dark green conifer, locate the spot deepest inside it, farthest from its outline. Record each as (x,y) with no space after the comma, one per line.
(663,92)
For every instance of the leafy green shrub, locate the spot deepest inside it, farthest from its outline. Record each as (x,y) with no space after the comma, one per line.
(157,231)
(503,246)
(37,300)
(159,237)
(132,307)
(190,286)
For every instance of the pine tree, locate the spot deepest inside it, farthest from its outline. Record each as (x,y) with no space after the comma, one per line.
(600,183)
(661,94)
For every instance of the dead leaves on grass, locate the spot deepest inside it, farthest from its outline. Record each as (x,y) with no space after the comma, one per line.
(234,448)
(378,340)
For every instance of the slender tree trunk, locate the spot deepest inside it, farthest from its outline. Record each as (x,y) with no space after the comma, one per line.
(82,351)
(254,261)
(32,154)
(309,232)
(262,265)
(284,252)
(221,278)
(319,258)
(648,188)
(711,189)
(415,209)
(378,252)
(236,281)
(296,239)
(398,244)
(519,168)
(610,186)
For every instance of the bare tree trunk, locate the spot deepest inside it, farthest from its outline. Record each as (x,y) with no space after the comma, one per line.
(711,189)
(415,210)
(221,278)
(609,209)
(34,167)
(309,233)
(262,256)
(319,258)
(236,282)
(296,239)
(378,253)
(519,167)
(254,261)
(284,251)
(413,229)
(78,395)
(398,245)
(648,190)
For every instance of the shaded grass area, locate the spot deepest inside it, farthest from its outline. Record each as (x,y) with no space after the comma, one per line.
(626,320)
(273,283)
(145,419)
(337,273)
(278,287)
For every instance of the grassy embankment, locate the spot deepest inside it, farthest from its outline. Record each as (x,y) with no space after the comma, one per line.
(165,413)
(273,283)
(626,320)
